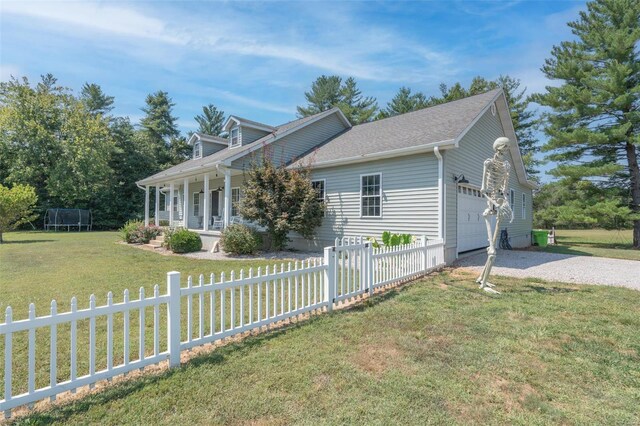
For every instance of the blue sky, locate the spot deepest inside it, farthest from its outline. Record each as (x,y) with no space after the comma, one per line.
(256,59)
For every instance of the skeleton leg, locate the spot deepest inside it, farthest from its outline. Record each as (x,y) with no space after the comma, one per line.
(491,252)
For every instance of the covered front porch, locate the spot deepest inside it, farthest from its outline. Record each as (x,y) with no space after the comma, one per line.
(205,202)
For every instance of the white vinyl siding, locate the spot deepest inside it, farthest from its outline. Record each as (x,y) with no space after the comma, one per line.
(512,198)
(524,205)
(250,135)
(468,159)
(371,195)
(409,195)
(298,143)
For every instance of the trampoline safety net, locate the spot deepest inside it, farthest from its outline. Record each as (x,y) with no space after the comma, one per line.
(69,219)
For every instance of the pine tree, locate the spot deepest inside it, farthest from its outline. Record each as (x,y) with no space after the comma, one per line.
(159,126)
(357,108)
(324,95)
(329,91)
(594,129)
(404,101)
(211,120)
(96,101)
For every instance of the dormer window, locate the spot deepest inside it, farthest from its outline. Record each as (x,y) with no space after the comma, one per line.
(234,137)
(197,150)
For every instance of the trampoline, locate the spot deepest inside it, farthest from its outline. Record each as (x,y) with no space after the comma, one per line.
(70,219)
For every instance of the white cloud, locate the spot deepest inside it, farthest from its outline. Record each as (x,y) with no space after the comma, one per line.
(90,16)
(342,45)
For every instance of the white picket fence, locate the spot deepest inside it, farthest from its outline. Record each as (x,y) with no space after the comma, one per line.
(213,310)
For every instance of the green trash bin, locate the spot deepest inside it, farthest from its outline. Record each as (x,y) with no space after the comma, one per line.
(539,238)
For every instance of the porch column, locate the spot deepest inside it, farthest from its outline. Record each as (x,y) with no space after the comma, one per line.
(185,208)
(207,203)
(146,205)
(227,197)
(157,208)
(171,189)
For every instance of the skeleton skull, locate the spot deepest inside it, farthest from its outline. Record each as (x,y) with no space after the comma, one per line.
(501,144)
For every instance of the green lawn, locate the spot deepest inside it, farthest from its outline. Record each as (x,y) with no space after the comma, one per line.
(436,351)
(594,242)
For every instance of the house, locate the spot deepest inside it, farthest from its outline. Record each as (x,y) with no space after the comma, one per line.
(417,173)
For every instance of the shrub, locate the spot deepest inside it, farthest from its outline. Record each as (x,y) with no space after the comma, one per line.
(392,240)
(134,232)
(129,229)
(184,241)
(240,239)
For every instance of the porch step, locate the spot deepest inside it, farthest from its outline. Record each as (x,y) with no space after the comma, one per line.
(159,238)
(154,244)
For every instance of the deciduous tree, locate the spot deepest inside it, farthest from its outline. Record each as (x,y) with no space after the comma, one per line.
(16,207)
(282,200)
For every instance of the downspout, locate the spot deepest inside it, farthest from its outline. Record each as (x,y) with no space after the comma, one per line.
(436,151)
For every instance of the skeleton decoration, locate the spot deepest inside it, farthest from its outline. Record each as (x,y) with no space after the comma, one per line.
(495,180)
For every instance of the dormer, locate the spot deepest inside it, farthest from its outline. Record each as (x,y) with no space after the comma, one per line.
(243,132)
(204,145)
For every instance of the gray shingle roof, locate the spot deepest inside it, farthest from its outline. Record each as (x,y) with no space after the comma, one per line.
(222,155)
(434,124)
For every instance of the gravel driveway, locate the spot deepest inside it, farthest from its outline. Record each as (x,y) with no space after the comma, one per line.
(560,267)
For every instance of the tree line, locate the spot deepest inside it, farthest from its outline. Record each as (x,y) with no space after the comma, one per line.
(74,152)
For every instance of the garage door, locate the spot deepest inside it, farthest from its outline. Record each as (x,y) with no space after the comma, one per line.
(472,231)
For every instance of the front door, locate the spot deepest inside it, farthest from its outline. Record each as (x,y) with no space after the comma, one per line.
(215,203)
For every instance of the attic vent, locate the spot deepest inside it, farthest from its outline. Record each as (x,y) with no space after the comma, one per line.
(493,108)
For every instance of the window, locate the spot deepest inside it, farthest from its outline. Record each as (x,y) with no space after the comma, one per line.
(175,204)
(371,195)
(197,150)
(196,204)
(235,199)
(524,206)
(235,136)
(318,186)
(512,198)
(162,202)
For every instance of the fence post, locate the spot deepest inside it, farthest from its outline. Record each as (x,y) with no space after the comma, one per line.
(173,318)
(330,276)
(369,259)
(425,253)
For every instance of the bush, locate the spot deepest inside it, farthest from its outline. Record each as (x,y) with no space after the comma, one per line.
(129,230)
(240,239)
(183,241)
(134,232)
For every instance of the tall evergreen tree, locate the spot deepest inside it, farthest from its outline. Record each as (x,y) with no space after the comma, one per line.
(357,108)
(159,126)
(404,101)
(324,95)
(329,91)
(96,101)
(594,129)
(211,120)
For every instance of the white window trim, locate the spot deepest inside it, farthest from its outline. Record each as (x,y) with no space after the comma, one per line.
(524,205)
(239,197)
(197,150)
(324,186)
(231,144)
(381,195)
(193,207)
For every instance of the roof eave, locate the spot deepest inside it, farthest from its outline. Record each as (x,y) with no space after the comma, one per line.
(418,149)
